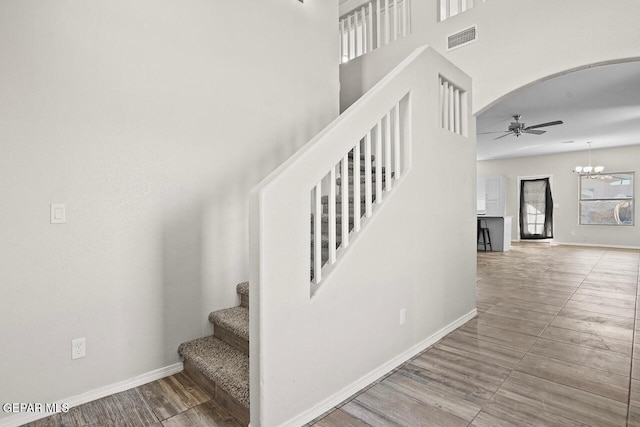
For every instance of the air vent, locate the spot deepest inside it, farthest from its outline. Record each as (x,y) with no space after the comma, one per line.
(462,38)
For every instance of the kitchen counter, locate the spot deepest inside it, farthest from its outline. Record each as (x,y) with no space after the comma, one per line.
(500,231)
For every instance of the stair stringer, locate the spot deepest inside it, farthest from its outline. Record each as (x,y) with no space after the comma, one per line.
(417,252)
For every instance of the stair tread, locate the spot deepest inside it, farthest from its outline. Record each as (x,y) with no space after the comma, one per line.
(324,217)
(362,156)
(243,288)
(362,179)
(325,199)
(235,319)
(221,363)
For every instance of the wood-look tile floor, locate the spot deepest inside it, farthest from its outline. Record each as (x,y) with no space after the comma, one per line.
(553,345)
(175,401)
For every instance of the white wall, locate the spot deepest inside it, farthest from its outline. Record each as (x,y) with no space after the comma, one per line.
(564,187)
(417,251)
(151,121)
(519,42)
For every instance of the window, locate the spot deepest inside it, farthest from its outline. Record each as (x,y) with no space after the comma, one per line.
(606,199)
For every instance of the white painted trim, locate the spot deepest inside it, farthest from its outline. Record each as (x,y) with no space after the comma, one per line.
(592,245)
(377,373)
(20,419)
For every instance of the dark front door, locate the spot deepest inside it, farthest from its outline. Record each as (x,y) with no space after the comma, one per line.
(536,209)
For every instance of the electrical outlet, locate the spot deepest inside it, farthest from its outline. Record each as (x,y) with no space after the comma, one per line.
(403,316)
(78,348)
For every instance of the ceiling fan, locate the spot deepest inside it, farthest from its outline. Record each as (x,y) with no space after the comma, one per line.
(517,128)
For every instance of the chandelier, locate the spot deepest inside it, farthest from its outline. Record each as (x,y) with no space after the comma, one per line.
(588,170)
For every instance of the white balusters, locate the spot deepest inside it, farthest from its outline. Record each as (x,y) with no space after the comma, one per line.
(452,107)
(344,179)
(387,152)
(386,22)
(405,18)
(357,38)
(379,163)
(350,37)
(344,41)
(367,175)
(332,215)
(317,232)
(395,20)
(356,188)
(449,8)
(456,111)
(365,32)
(451,102)
(445,104)
(383,147)
(396,141)
(378,23)
(441,101)
(375,24)
(370,27)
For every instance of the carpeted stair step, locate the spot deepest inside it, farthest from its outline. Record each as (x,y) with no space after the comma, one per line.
(363,188)
(362,180)
(325,220)
(325,242)
(351,156)
(325,199)
(325,208)
(243,290)
(362,168)
(231,325)
(222,370)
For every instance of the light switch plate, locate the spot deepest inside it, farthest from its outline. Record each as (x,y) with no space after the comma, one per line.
(58,214)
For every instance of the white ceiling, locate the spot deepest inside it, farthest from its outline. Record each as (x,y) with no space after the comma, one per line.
(599,104)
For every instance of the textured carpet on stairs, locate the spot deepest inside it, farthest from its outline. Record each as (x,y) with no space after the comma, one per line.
(235,319)
(226,366)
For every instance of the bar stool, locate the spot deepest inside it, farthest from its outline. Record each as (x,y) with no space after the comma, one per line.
(483,231)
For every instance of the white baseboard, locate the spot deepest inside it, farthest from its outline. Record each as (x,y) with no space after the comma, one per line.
(372,376)
(24,418)
(596,245)
(591,245)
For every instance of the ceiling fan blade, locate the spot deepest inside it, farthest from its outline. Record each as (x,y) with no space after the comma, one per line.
(487,133)
(502,136)
(541,125)
(535,132)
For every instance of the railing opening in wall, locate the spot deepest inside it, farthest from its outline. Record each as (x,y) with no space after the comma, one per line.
(372,25)
(352,188)
(449,8)
(452,107)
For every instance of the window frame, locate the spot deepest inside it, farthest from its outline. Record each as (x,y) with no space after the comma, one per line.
(609,199)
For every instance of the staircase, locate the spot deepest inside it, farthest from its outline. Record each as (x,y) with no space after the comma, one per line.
(416,121)
(220,363)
